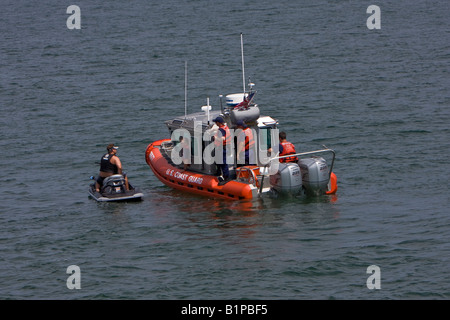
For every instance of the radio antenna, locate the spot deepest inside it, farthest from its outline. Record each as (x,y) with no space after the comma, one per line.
(243,69)
(185,89)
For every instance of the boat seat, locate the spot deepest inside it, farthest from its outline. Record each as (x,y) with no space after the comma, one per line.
(248,173)
(114,177)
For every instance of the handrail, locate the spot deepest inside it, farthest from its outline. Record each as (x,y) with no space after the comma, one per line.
(301,154)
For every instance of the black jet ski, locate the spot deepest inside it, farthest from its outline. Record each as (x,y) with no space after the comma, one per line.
(114,189)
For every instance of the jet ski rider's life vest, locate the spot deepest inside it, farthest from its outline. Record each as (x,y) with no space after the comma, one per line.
(106,165)
(288,148)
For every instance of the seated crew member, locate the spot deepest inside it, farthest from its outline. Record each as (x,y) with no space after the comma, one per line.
(246,143)
(286,148)
(110,164)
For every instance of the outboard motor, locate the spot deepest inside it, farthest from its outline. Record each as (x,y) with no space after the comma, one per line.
(114,184)
(315,175)
(288,179)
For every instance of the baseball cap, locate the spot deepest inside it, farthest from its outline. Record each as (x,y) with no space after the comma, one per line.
(218,119)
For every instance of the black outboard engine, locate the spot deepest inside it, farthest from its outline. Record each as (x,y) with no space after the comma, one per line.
(114,184)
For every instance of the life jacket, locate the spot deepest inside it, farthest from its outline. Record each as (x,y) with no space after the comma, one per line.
(106,165)
(249,141)
(288,148)
(227,136)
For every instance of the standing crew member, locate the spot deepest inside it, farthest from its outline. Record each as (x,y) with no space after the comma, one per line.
(186,152)
(224,139)
(110,164)
(245,144)
(286,148)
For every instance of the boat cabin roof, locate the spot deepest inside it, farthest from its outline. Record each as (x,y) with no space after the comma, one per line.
(189,121)
(194,119)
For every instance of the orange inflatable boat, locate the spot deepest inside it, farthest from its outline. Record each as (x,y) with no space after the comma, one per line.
(194,138)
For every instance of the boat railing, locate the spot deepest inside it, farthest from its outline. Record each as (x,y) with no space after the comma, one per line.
(308,153)
(251,174)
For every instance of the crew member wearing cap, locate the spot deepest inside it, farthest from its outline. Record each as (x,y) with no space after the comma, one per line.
(225,139)
(246,143)
(109,164)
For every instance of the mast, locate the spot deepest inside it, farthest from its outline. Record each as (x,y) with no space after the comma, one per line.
(185,89)
(208,107)
(243,69)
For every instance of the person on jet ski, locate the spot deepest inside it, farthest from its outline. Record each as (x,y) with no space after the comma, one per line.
(110,164)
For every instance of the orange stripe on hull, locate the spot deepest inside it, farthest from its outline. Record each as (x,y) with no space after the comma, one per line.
(190,181)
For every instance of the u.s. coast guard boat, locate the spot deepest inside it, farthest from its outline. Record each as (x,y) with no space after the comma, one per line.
(191,166)
(311,175)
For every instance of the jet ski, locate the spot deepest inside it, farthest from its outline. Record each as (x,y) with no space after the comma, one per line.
(114,189)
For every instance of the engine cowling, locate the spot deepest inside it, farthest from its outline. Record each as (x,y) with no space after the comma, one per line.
(315,174)
(288,178)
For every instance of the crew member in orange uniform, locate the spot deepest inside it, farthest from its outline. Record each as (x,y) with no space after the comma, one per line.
(286,148)
(245,145)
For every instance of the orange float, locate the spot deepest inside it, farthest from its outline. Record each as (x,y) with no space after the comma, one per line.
(246,185)
(193,182)
(333,184)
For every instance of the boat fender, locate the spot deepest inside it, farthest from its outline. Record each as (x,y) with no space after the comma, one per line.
(332,185)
